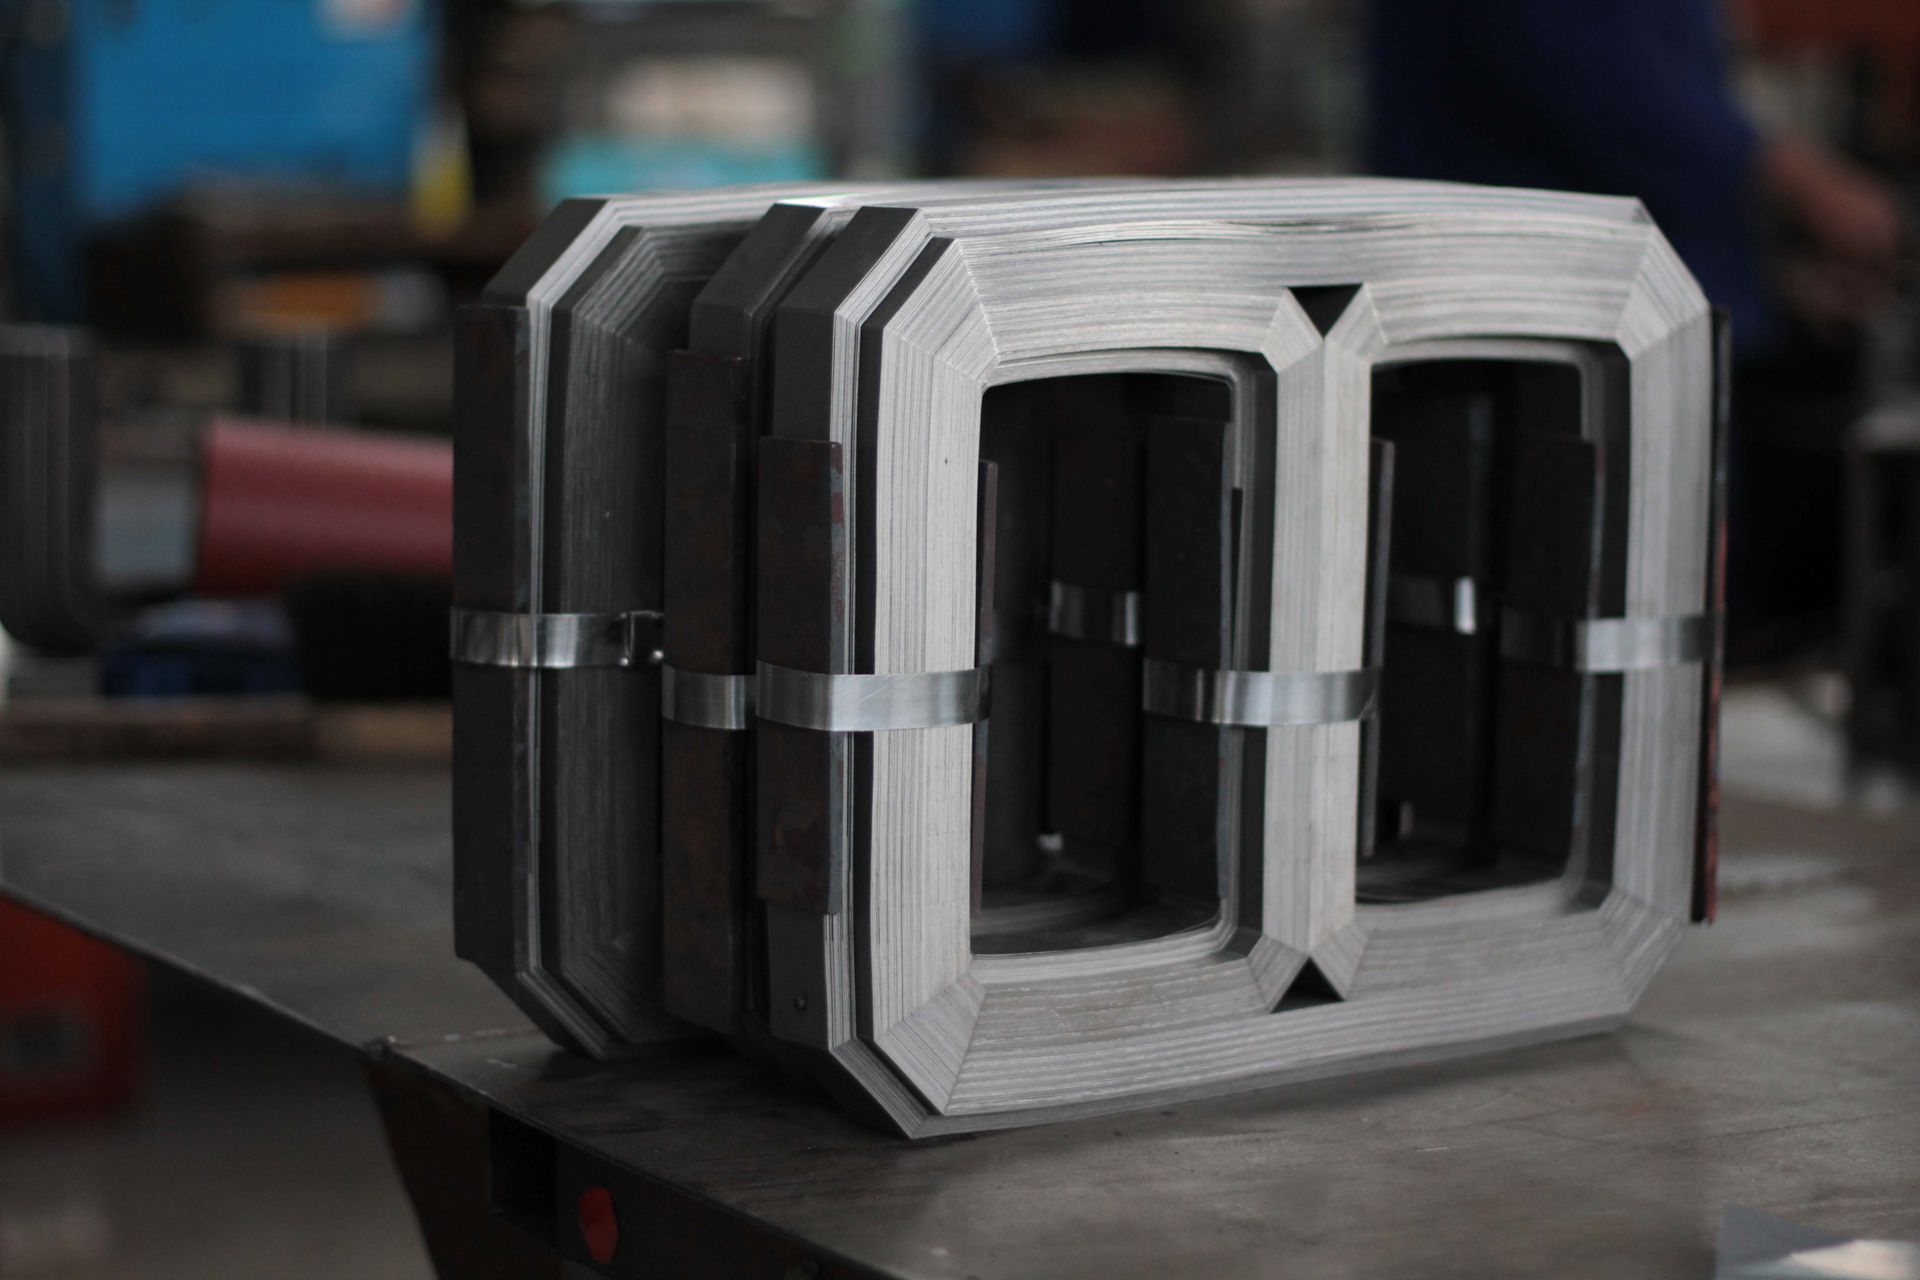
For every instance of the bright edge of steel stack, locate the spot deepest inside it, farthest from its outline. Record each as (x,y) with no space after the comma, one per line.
(1018,652)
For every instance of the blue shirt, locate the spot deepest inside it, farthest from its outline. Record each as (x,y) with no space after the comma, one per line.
(1623,97)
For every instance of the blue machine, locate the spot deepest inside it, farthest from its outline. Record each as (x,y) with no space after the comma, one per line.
(113,106)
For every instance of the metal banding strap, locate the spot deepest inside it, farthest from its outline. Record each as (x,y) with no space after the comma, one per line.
(1442,604)
(1094,614)
(1258,699)
(859,703)
(706,700)
(1607,645)
(553,641)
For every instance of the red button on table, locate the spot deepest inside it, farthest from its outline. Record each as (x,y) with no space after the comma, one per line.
(599,1224)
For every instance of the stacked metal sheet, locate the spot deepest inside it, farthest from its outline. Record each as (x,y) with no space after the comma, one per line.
(47,480)
(1017,653)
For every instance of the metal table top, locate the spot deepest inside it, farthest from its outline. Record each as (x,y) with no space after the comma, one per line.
(1775,1064)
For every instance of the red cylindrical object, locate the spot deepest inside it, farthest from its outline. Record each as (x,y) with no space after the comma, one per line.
(278,502)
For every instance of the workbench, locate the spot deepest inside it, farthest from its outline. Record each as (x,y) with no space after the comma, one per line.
(1775,1064)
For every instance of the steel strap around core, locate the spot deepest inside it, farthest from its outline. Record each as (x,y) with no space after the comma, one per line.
(705,699)
(1436,603)
(1601,646)
(552,641)
(862,703)
(1258,699)
(1094,614)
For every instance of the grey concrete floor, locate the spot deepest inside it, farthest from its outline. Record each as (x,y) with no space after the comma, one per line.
(256,1152)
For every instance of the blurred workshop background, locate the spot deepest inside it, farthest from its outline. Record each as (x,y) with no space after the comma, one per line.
(236,232)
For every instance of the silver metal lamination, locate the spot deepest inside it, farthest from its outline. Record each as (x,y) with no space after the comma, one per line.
(552,641)
(1094,614)
(871,703)
(1602,646)
(707,700)
(1258,699)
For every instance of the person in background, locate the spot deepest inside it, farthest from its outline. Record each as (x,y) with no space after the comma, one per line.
(1630,97)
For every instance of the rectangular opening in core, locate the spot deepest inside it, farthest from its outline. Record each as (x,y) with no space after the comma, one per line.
(1488,751)
(1101,825)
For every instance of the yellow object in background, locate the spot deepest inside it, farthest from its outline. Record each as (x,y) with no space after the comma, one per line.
(442,174)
